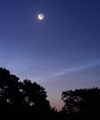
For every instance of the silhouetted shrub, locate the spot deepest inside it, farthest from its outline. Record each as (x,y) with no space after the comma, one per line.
(18,98)
(82,102)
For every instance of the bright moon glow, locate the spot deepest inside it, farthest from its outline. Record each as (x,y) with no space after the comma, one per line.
(41,16)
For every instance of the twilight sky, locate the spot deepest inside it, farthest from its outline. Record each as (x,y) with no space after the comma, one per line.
(61,52)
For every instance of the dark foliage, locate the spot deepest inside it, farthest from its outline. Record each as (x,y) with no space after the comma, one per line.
(82,102)
(21,99)
(28,101)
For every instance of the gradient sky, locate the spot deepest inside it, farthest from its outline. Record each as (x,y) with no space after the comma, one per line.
(61,52)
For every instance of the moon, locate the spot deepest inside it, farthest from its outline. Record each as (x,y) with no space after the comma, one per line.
(41,16)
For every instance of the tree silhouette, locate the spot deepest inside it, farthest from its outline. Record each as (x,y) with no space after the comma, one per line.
(8,86)
(28,100)
(82,101)
(34,96)
(21,98)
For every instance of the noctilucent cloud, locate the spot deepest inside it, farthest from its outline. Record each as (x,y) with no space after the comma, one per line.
(61,52)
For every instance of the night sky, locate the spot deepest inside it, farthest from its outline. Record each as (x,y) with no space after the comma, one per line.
(61,52)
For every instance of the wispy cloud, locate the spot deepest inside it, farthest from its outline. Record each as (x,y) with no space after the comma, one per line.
(77,68)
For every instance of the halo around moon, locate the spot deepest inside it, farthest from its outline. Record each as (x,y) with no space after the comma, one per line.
(41,16)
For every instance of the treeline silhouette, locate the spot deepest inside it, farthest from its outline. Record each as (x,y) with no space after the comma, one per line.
(27,100)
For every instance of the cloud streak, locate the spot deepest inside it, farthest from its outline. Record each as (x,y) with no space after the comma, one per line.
(78,68)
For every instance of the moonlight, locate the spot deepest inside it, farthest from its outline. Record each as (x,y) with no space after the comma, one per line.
(41,16)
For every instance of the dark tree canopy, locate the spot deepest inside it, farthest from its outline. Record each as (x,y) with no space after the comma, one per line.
(34,96)
(8,86)
(81,101)
(21,97)
(27,100)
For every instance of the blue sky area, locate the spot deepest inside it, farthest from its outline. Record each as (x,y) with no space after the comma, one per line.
(61,52)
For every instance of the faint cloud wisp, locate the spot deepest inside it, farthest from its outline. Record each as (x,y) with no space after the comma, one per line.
(74,69)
